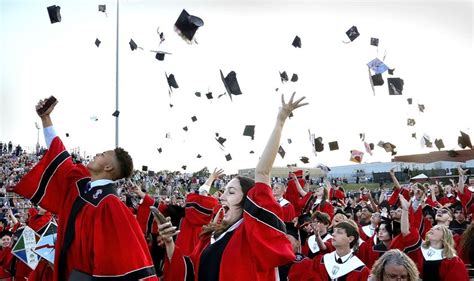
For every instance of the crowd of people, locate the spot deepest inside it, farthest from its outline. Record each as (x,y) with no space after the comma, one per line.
(117,223)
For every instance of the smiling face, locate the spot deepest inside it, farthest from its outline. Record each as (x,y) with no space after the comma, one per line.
(231,201)
(5,241)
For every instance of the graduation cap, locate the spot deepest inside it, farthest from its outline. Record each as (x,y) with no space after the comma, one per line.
(377,66)
(356,156)
(252,152)
(185,128)
(289,141)
(283,77)
(221,140)
(54,13)
(94,118)
(97,42)
(409,100)
(171,81)
(231,84)
(374,41)
(304,159)
(281,151)
(160,55)
(171,105)
(292,230)
(184,167)
(198,156)
(388,147)
(67,135)
(426,141)
(102,8)
(160,150)
(369,147)
(362,136)
(116,113)
(464,141)
(391,70)
(333,145)
(194,119)
(186,25)
(352,33)
(413,135)
(249,131)
(198,94)
(411,122)
(294,77)
(452,153)
(421,108)
(395,86)
(209,96)
(377,80)
(318,144)
(439,144)
(296,42)
(133,45)
(144,168)
(228,157)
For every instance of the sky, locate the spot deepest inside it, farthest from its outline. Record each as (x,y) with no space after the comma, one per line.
(429,43)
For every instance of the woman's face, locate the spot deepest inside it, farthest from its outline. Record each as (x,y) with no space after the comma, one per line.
(395,272)
(230,200)
(435,234)
(5,241)
(430,218)
(383,234)
(319,192)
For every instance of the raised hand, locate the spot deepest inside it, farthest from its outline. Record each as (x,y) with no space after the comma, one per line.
(287,108)
(403,202)
(49,103)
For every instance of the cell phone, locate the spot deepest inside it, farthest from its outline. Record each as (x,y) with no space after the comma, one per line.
(158,215)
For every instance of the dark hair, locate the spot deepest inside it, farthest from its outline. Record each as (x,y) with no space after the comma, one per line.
(321,217)
(125,163)
(351,230)
(246,184)
(388,227)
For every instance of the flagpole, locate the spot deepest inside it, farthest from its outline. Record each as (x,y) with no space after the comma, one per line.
(117,79)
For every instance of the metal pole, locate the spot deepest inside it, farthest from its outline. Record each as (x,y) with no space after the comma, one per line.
(117,79)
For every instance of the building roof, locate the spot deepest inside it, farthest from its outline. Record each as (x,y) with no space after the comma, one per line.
(435,156)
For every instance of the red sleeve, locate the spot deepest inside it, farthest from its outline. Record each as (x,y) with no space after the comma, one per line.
(327,208)
(113,255)
(407,243)
(263,226)
(301,270)
(143,213)
(6,258)
(47,183)
(288,213)
(393,200)
(302,201)
(466,198)
(42,272)
(453,269)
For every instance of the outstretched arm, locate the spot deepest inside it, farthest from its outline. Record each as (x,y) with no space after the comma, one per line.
(48,129)
(264,166)
(404,222)
(394,178)
(204,189)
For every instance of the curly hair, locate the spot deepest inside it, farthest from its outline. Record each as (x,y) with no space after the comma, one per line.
(125,163)
(395,257)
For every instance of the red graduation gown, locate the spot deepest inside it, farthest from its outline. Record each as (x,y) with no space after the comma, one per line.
(288,210)
(145,217)
(198,212)
(6,258)
(320,272)
(107,238)
(255,250)
(42,272)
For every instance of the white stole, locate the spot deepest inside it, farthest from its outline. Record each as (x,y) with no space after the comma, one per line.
(336,270)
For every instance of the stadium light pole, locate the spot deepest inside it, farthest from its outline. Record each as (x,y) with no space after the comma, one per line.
(117,79)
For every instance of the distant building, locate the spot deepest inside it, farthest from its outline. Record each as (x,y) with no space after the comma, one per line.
(282,172)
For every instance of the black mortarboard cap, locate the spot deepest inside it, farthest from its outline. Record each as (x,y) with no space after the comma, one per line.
(362,136)
(452,153)
(395,86)
(198,94)
(318,144)
(171,81)
(171,105)
(198,156)
(427,142)
(187,25)
(292,230)
(67,135)
(185,128)
(283,76)
(184,167)
(116,113)
(391,70)
(54,13)
(133,45)
(374,41)
(144,168)
(304,159)
(333,145)
(160,55)
(249,131)
(219,96)
(231,84)
(377,79)
(221,140)
(411,122)
(160,150)
(281,151)
(464,141)
(352,33)
(439,143)
(296,42)
(421,107)
(409,100)
(97,42)
(289,141)
(102,8)
(228,157)
(209,96)
(413,135)
(194,119)
(294,77)
(252,152)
